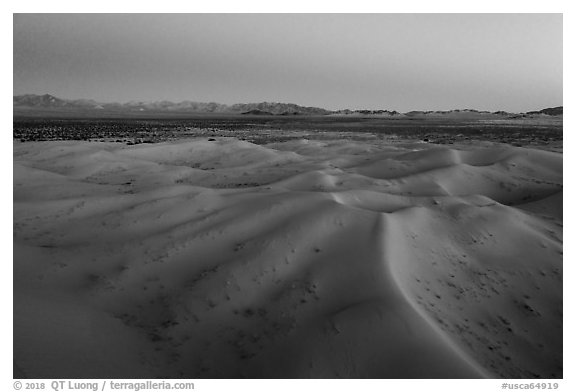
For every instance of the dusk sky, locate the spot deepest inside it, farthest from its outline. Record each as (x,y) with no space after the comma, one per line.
(399,62)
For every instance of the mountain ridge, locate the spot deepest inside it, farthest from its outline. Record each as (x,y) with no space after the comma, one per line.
(29,102)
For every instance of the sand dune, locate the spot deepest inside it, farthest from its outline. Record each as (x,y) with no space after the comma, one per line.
(218,259)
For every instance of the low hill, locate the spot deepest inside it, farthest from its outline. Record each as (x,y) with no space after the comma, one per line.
(257,112)
(557,111)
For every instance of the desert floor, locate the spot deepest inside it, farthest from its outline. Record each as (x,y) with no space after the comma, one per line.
(222,258)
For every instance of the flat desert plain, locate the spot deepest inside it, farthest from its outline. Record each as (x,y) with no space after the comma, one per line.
(220,258)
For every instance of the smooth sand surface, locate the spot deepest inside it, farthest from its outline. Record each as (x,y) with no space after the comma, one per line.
(226,259)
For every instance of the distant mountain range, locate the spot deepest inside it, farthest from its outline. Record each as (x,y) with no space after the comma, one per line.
(31,103)
(47,101)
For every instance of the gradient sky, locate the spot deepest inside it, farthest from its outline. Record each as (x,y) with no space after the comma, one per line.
(373,61)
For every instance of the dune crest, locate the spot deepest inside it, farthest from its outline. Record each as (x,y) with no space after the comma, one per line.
(225,259)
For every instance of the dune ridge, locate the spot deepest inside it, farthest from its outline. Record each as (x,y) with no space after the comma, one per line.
(225,259)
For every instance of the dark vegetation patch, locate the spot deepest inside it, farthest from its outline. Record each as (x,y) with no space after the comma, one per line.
(265,129)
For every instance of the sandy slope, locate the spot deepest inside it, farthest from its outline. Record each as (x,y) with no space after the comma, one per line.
(299,259)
